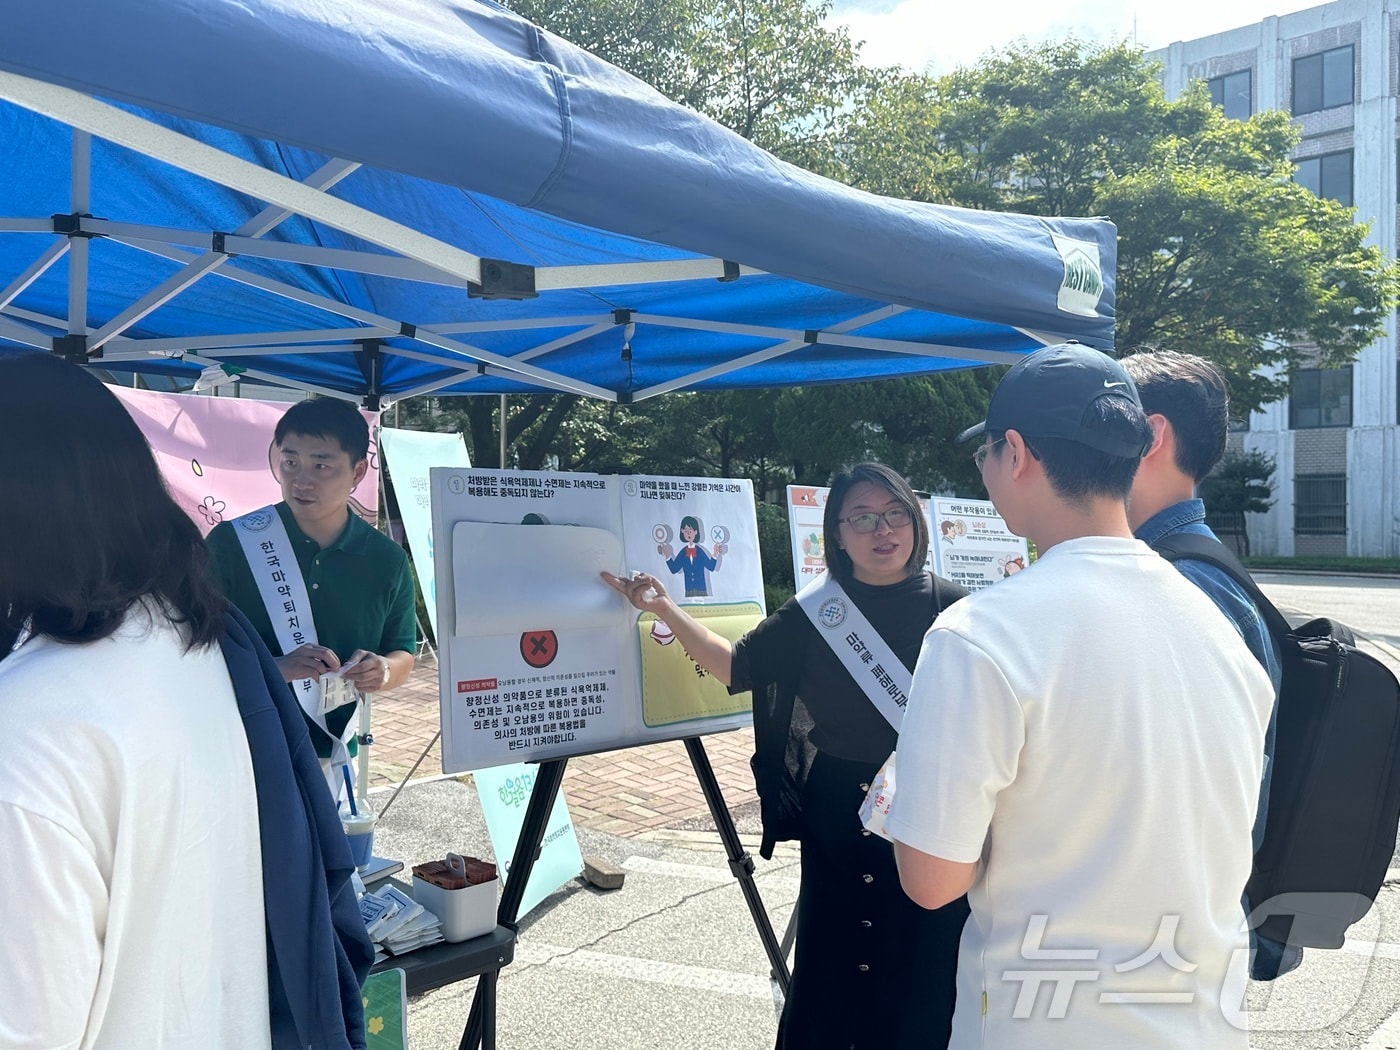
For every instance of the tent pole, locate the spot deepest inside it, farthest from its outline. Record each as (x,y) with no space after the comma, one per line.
(80,199)
(503,431)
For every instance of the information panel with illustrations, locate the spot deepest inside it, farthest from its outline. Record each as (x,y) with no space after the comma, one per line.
(806,506)
(539,658)
(971,544)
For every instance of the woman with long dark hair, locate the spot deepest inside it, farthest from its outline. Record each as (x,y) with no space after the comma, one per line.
(133,903)
(871,968)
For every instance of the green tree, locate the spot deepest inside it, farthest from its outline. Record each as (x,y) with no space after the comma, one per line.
(1240,484)
(1220,252)
(543,431)
(906,423)
(775,553)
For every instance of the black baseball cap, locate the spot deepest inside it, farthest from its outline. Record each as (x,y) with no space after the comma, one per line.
(1048,393)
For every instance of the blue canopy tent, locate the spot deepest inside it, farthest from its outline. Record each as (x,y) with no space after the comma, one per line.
(381,200)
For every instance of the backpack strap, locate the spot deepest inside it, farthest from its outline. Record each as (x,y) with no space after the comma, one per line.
(1193,547)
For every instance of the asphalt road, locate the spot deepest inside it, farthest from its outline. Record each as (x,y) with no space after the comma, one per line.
(1370,606)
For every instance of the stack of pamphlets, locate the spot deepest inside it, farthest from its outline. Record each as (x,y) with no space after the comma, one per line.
(396,923)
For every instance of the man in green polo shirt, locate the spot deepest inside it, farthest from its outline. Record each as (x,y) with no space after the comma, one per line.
(358,581)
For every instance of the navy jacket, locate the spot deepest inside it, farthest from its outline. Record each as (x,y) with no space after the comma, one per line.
(318,954)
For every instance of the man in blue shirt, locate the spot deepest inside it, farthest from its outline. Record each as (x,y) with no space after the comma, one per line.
(1188,404)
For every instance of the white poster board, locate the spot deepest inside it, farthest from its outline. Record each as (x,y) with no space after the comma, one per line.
(504,791)
(414,453)
(971,544)
(539,658)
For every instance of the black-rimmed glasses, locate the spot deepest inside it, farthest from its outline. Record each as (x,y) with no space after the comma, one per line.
(895,518)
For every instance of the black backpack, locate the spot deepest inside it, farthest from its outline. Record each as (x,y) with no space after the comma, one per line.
(1334,803)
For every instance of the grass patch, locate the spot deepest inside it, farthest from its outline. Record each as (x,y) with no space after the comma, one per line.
(1385,566)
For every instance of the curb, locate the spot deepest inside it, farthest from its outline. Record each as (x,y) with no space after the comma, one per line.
(1332,573)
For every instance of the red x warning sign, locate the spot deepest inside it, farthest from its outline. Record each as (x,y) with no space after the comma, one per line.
(539,648)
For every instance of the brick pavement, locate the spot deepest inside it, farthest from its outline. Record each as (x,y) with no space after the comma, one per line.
(623,793)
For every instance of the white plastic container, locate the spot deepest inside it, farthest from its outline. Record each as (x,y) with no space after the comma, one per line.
(465,913)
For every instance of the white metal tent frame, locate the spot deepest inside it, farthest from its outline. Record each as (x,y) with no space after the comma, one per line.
(412,256)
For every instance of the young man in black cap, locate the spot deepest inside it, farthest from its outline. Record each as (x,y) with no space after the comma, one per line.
(1082,749)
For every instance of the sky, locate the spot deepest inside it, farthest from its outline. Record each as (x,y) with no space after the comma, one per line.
(937,36)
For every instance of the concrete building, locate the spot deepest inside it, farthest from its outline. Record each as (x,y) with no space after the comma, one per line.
(1335,440)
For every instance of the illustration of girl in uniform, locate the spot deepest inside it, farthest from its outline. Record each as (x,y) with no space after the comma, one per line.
(692,561)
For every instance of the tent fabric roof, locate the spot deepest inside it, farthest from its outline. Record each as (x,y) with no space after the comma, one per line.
(311,192)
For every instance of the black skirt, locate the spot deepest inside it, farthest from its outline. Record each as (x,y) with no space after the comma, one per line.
(871,968)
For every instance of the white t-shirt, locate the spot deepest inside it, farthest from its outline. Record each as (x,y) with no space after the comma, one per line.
(132,909)
(1092,730)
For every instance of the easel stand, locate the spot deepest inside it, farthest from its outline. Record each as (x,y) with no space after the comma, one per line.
(527,850)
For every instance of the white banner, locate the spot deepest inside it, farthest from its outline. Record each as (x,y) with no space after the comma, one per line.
(414,453)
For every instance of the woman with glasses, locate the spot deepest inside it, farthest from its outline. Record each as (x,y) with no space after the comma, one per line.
(871,968)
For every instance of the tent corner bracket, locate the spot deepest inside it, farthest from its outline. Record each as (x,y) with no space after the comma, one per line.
(71,225)
(501,279)
(73,348)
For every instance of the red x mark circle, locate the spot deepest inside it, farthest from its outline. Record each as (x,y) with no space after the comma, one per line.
(539,648)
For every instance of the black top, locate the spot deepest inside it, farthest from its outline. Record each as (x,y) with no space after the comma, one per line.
(802,690)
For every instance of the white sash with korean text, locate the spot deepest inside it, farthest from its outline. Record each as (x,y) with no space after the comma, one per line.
(273,563)
(866,656)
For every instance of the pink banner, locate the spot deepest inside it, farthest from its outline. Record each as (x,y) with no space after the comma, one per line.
(215,453)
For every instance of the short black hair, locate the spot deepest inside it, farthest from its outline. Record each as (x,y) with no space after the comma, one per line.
(1079,473)
(89,528)
(1195,399)
(328,418)
(838,562)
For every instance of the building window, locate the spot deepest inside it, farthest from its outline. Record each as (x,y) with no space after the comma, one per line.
(1320,504)
(1327,176)
(1320,397)
(1323,80)
(1233,94)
